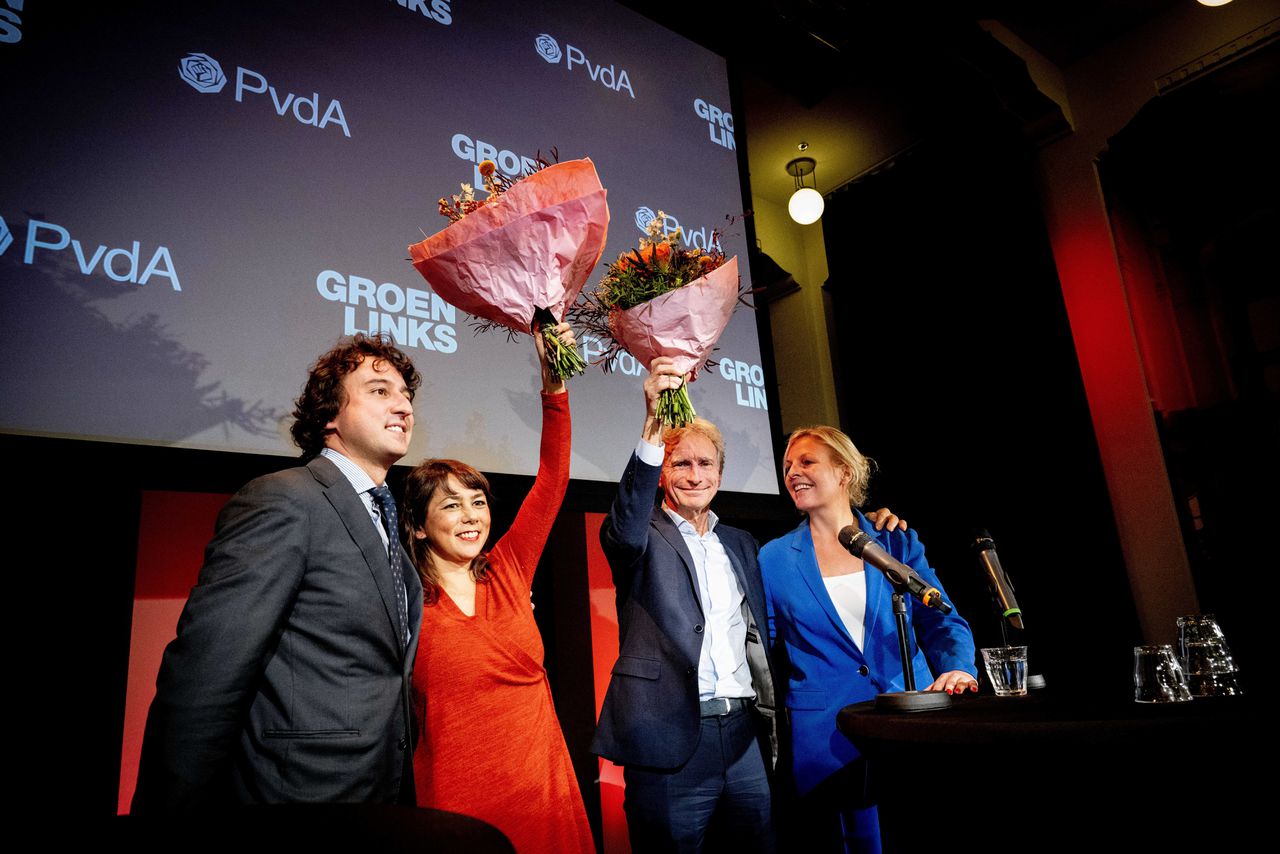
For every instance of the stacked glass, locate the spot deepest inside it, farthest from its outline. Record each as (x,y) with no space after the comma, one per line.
(1206,659)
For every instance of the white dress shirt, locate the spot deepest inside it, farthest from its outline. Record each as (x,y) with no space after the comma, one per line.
(363,485)
(722,664)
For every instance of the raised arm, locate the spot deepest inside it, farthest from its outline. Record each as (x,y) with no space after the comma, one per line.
(524,542)
(625,531)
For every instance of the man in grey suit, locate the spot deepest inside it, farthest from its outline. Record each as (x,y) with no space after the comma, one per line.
(690,702)
(289,677)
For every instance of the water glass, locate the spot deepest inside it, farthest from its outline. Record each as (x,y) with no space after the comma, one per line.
(1205,657)
(1007,669)
(1157,675)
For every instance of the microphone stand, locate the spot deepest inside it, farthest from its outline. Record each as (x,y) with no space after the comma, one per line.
(909,699)
(1034,680)
(902,579)
(904,649)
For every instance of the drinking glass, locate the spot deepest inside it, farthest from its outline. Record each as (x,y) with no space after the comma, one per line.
(1157,675)
(1007,669)
(1206,658)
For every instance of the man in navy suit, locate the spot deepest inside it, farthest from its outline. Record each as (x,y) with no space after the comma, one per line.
(288,680)
(690,702)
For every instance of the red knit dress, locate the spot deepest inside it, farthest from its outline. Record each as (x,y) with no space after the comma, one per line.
(489,742)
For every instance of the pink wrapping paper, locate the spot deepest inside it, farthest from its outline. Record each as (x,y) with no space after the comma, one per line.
(684,323)
(534,248)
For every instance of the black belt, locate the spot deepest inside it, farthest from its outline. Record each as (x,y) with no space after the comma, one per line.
(720,706)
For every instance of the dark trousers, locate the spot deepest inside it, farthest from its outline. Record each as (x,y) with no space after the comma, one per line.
(719,800)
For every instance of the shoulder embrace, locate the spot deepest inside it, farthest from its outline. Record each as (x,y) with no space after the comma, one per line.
(901,544)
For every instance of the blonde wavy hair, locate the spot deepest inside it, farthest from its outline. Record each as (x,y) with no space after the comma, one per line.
(845,455)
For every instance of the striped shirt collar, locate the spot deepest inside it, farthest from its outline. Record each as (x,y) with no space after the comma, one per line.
(356,476)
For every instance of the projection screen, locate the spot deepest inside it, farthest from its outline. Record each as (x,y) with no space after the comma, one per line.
(200,198)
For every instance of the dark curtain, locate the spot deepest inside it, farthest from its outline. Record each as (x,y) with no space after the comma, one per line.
(957,373)
(1193,195)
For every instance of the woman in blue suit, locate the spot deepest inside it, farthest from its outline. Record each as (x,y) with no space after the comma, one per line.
(835,624)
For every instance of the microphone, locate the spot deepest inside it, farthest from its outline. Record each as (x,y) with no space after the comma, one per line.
(861,545)
(1001,589)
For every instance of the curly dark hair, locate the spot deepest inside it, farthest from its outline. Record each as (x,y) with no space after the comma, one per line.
(419,488)
(322,397)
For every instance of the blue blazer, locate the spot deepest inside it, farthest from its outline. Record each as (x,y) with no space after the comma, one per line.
(650,716)
(827,670)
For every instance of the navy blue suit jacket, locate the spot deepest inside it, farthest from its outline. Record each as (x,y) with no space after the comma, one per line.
(650,715)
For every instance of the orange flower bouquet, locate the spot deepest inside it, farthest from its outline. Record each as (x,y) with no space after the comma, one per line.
(520,257)
(664,300)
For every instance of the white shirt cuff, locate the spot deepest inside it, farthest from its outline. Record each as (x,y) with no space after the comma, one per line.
(650,455)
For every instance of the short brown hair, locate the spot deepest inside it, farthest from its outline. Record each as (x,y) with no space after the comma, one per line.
(321,397)
(428,477)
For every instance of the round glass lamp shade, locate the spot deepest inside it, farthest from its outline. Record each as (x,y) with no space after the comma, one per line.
(806,205)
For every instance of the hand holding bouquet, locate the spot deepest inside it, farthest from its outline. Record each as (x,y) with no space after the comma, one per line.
(664,300)
(518,258)
(555,337)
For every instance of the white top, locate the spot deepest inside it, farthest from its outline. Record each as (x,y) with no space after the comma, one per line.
(849,594)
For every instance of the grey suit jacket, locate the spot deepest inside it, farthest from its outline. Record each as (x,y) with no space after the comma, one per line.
(650,716)
(288,680)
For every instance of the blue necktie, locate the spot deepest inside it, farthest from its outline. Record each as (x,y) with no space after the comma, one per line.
(391,523)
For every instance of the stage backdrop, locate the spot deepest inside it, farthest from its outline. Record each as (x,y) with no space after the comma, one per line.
(200,198)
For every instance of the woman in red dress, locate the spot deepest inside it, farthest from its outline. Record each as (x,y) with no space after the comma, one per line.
(489,744)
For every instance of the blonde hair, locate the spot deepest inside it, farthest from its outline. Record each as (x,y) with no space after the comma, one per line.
(699,427)
(844,454)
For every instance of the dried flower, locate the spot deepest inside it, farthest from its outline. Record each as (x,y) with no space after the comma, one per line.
(658,266)
(563,361)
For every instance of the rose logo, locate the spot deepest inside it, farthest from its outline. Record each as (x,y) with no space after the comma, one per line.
(644,216)
(6,236)
(202,72)
(548,48)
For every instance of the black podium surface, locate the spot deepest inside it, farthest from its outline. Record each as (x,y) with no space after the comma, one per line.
(1052,770)
(354,828)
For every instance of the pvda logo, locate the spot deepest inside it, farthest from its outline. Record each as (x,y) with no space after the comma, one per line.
(121,264)
(607,76)
(202,72)
(548,48)
(644,216)
(702,238)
